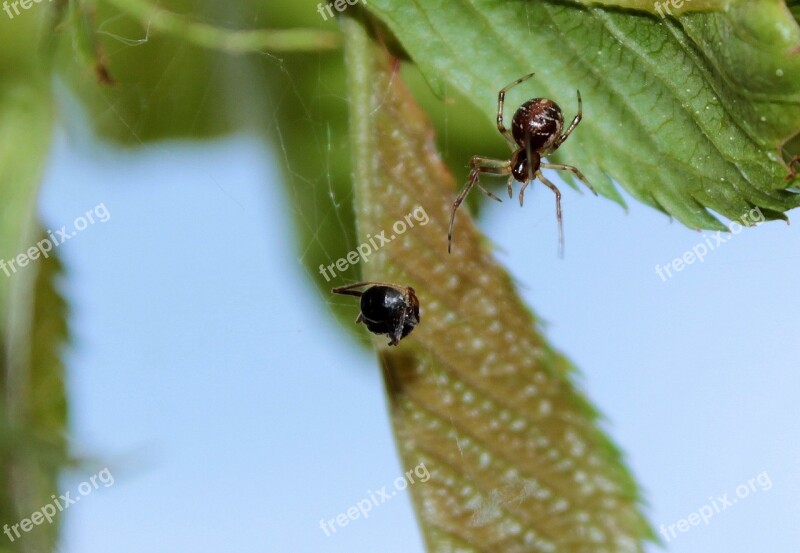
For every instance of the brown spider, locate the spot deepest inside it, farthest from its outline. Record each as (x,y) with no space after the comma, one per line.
(535,132)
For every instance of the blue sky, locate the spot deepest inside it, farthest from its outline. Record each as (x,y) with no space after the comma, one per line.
(235,413)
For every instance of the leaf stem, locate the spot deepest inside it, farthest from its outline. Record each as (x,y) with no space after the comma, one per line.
(358,61)
(228,40)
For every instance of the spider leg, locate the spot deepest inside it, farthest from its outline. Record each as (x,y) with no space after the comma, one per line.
(348,290)
(500,100)
(557,192)
(492,196)
(562,167)
(532,171)
(479,165)
(473,176)
(575,121)
(491,167)
(522,191)
(509,184)
(397,332)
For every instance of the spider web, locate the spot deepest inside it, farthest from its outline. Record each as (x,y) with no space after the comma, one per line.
(330,206)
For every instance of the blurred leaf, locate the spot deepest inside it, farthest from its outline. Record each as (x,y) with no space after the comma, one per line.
(794,7)
(177,75)
(163,87)
(516,457)
(234,41)
(33,437)
(26,121)
(309,131)
(32,315)
(688,114)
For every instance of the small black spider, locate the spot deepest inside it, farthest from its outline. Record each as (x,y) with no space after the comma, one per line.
(385,308)
(535,132)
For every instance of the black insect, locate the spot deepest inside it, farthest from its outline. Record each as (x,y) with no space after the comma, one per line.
(535,132)
(385,308)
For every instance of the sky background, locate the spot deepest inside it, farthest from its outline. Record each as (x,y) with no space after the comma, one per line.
(235,413)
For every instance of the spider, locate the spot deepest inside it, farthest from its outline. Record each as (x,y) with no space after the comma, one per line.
(535,132)
(385,308)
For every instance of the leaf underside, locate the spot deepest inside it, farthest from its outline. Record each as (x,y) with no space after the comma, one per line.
(516,457)
(688,114)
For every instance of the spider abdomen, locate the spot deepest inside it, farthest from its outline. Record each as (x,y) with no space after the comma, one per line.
(383,306)
(540,118)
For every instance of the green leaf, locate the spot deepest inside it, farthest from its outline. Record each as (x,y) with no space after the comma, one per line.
(668,7)
(162,86)
(688,114)
(33,424)
(174,75)
(516,457)
(235,41)
(33,407)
